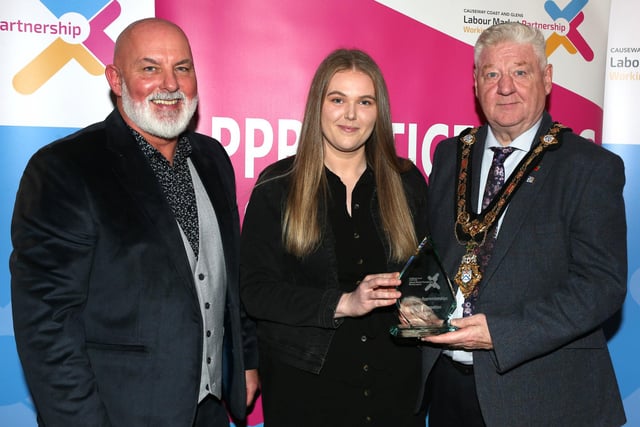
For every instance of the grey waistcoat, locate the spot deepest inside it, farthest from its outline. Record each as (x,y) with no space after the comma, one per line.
(209,275)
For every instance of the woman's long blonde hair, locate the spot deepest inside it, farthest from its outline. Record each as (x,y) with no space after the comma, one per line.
(301,230)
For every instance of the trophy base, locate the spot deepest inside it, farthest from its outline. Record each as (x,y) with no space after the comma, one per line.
(420,331)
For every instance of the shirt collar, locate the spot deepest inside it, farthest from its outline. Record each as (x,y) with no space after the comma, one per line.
(522,142)
(183,148)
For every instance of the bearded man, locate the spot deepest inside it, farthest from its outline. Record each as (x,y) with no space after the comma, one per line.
(125,260)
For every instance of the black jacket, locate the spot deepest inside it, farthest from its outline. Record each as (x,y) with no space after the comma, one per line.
(106,316)
(295,300)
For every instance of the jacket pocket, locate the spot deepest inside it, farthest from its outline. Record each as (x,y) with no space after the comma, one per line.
(593,340)
(135,348)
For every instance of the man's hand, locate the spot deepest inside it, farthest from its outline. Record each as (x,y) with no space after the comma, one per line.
(473,334)
(253,384)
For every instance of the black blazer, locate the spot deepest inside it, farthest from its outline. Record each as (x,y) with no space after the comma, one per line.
(106,315)
(558,271)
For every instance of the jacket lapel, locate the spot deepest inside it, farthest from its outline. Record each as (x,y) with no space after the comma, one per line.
(136,177)
(521,205)
(209,172)
(476,166)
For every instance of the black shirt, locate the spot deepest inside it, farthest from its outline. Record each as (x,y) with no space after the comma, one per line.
(176,184)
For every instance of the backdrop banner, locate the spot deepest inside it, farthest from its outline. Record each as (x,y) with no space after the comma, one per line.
(621,107)
(255,61)
(52,82)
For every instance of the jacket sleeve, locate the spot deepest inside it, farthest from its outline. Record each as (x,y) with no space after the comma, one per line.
(272,282)
(53,239)
(587,269)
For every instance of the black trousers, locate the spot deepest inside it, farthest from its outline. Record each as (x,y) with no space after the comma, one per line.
(211,413)
(452,397)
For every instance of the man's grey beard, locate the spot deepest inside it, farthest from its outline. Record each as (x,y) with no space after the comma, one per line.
(168,125)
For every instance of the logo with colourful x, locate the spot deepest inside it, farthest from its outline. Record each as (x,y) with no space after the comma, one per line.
(571,17)
(81,37)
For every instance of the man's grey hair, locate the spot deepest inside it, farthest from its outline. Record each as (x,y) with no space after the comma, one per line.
(512,32)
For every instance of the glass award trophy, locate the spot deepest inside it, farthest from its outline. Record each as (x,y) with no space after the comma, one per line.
(428,299)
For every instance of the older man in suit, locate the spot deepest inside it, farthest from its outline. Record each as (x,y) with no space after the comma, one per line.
(530,221)
(125,261)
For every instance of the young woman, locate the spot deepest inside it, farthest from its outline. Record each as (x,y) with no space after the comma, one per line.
(324,236)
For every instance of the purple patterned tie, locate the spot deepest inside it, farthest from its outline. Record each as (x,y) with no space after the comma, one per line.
(495,181)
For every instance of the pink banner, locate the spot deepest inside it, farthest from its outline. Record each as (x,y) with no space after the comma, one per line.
(255,61)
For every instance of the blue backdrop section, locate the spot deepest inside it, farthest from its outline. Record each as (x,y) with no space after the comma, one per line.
(624,345)
(16,409)
(24,141)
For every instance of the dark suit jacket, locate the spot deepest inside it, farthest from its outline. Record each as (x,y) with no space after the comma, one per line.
(106,315)
(558,271)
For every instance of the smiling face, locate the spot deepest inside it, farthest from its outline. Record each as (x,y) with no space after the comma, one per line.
(349,114)
(154,80)
(511,88)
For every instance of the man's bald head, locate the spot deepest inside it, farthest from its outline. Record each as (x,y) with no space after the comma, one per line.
(142,29)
